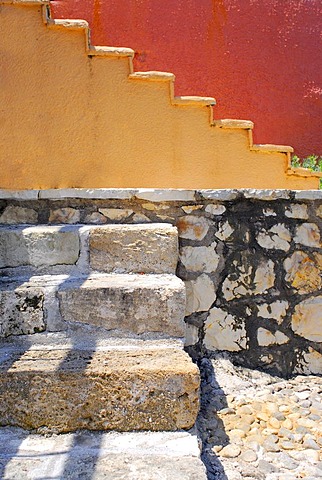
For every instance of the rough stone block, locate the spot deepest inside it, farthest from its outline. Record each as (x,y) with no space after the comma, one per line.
(19,194)
(64,215)
(304,271)
(130,303)
(307,319)
(192,227)
(38,246)
(134,248)
(165,195)
(224,332)
(14,215)
(66,390)
(21,310)
(88,193)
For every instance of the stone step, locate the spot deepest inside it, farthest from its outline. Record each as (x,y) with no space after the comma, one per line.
(130,304)
(100,455)
(63,389)
(151,248)
(138,248)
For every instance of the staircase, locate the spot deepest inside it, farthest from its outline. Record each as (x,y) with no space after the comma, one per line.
(91,320)
(77,115)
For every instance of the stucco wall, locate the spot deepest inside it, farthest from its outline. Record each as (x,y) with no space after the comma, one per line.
(74,115)
(251,261)
(259,59)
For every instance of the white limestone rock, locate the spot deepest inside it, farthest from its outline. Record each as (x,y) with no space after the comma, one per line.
(268,212)
(191,336)
(319,211)
(308,195)
(21,311)
(19,194)
(192,227)
(307,319)
(96,218)
(297,210)
(140,218)
(277,238)
(165,218)
(225,231)
(304,272)
(92,193)
(224,332)
(165,195)
(14,215)
(275,310)
(249,281)
(310,363)
(266,338)
(266,195)
(200,294)
(153,206)
(191,208)
(37,246)
(200,259)
(116,213)
(221,194)
(215,209)
(308,234)
(64,215)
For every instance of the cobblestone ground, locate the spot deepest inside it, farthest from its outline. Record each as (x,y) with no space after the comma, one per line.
(257,426)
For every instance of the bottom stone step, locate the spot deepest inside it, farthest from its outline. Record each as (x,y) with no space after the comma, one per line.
(97,456)
(66,389)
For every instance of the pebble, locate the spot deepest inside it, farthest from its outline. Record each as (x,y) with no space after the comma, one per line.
(249,456)
(273,425)
(230,451)
(271,446)
(311,443)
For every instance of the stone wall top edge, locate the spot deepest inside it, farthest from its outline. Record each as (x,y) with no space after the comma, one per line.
(160,195)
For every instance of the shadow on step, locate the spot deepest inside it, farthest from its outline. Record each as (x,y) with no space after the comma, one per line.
(16,445)
(210,426)
(9,447)
(26,456)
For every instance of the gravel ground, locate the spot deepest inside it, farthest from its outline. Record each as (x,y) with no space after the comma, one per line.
(257,426)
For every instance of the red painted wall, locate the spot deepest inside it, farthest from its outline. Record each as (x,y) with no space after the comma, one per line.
(261,59)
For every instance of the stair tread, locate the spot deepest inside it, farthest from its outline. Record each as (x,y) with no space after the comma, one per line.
(152,455)
(87,361)
(153,75)
(194,100)
(233,123)
(93,280)
(110,51)
(81,338)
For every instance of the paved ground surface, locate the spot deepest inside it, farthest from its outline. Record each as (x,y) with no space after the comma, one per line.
(98,456)
(256,426)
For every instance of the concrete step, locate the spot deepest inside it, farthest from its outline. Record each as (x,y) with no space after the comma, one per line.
(131,304)
(151,248)
(100,455)
(61,388)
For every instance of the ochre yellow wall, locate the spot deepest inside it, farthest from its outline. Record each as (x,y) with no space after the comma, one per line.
(73,118)
(259,58)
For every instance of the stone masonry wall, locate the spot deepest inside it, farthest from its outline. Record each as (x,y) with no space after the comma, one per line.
(251,261)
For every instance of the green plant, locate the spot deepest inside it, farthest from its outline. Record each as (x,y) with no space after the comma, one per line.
(312,162)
